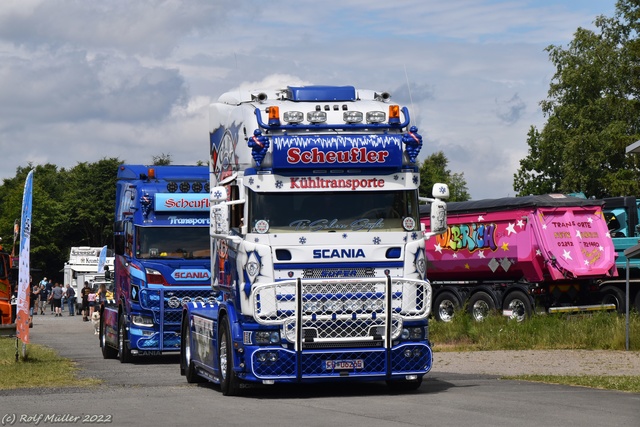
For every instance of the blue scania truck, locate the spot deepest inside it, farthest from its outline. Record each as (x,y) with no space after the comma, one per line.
(162,258)
(318,253)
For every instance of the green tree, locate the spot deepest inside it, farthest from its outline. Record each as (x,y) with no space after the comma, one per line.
(593,113)
(434,169)
(70,208)
(162,160)
(90,203)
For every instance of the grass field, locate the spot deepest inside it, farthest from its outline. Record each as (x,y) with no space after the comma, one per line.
(600,331)
(42,368)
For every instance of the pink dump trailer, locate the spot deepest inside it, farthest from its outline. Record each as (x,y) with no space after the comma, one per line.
(520,255)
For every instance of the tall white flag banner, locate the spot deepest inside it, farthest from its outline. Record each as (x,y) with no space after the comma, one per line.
(24,276)
(102,260)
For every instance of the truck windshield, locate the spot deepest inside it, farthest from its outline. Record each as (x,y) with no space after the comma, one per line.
(333,212)
(172,242)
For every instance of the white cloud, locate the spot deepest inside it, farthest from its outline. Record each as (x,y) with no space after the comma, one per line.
(84,80)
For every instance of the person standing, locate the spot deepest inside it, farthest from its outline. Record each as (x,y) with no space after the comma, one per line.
(33,301)
(71,299)
(44,296)
(49,287)
(56,297)
(85,301)
(92,303)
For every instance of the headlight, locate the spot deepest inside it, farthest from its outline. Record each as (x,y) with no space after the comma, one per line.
(332,306)
(376,116)
(311,306)
(267,337)
(293,116)
(142,320)
(316,117)
(372,306)
(352,116)
(414,333)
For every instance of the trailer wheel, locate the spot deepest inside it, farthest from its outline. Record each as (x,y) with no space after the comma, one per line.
(445,305)
(404,385)
(186,366)
(519,305)
(613,295)
(124,353)
(480,306)
(229,384)
(108,352)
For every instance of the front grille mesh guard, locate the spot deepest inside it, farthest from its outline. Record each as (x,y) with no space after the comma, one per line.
(315,313)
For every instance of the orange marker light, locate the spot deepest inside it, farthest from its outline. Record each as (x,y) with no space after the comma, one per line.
(274,116)
(151,173)
(394,112)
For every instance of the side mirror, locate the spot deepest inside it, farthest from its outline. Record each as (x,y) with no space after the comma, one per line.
(440,191)
(218,194)
(438,224)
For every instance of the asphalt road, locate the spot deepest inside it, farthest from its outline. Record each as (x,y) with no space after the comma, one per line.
(151,392)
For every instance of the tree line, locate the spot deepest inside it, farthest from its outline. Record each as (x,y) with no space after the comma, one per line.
(76,206)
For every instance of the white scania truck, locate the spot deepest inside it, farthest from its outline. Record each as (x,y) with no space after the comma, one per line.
(318,255)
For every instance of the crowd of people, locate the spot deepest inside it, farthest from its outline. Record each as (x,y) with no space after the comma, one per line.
(53,297)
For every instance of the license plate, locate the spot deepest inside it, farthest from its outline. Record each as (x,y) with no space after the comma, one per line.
(332,365)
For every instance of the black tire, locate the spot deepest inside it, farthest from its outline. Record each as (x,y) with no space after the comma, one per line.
(613,295)
(404,385)
(108,352)
(519,304)
(445,306)
(229,382)
(481,306)
(186,366)
(124,352)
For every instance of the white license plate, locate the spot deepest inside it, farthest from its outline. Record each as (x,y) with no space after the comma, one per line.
(332,365)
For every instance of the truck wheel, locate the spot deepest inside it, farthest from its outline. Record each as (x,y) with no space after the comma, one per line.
(404,385)
(445,306)
(108,352)
(229,384)
(613,295)
(124,353)
(186,366)
(480,306)
(518,303)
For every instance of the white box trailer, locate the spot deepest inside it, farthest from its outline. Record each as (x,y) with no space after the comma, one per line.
(83,266)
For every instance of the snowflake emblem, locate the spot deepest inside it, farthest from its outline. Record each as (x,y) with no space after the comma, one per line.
(303,240)
(217,194)
(256,240)
(395,177)
(414,235)
(415,179)
(279,184)
(251,181)
(344,236)
(376,240)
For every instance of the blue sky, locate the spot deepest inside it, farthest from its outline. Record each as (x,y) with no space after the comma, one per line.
(85,80)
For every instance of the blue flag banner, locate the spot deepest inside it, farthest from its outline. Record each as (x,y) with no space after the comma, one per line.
(24,276)
(102,259)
